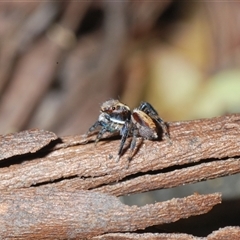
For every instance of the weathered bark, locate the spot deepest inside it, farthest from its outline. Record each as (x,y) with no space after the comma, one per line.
(224,233)
(24,142)
(210,145)
(59,171)
(52,214)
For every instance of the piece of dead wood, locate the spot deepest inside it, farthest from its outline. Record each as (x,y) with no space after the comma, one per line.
(210,145)
(51,214)
(232,233)
(24,142)
(225,233)
(200,150)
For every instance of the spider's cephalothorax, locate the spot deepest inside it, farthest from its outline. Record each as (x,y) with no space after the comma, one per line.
(114,117)
(141,122)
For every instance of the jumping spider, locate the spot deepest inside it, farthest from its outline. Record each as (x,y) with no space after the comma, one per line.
(141,122)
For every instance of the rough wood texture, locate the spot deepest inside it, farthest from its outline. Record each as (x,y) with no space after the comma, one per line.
(59,172)
(51,214)
(24,142)
(201,143)
(224,233)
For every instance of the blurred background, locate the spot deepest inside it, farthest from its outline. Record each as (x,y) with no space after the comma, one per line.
(59,60)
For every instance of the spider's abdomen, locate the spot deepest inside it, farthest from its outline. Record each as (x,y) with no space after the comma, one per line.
(145,124)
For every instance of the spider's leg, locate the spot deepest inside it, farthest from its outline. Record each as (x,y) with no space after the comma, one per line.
(164,128)
(147,108)
(133,143)
(124,133)
(100,134)
(93,127)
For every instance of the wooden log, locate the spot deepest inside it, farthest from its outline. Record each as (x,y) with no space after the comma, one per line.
(201,149)
(46,185)
(51,214)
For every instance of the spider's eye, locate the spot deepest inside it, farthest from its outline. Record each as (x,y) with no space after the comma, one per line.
(113,108)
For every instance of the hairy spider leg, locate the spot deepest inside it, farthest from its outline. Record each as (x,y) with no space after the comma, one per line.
(124,133)
(100,134)
(148,109)
(93,127)
(133,143)
(164,127)
(104,128)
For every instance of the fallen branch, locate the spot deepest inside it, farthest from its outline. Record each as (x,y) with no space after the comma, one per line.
(200,150)
(50,214)
(78,165)
(24,142)
(232,233)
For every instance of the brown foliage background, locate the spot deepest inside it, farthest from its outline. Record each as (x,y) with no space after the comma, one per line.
(60,60)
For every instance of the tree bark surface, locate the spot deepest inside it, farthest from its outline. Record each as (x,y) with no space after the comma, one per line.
(66,187)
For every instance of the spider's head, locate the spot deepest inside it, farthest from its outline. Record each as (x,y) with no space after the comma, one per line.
(113,106)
